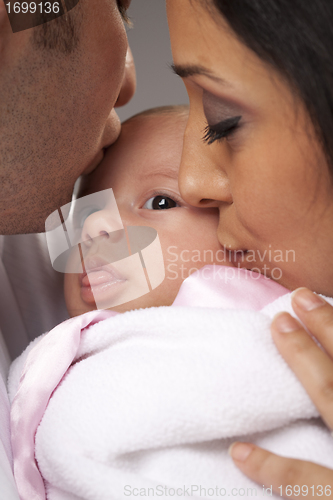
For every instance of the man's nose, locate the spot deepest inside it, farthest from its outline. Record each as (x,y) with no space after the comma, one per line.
(129,81)
(100,224)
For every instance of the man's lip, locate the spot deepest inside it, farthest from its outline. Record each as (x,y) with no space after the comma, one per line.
(95,162)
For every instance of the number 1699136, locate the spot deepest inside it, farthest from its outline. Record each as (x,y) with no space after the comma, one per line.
(33,7)
(296,490)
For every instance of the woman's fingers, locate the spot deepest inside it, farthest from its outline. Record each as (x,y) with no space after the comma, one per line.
(288,478)
(317,316)
(312,366)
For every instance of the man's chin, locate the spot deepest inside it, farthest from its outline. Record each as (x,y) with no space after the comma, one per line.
(21,227)
(27,221)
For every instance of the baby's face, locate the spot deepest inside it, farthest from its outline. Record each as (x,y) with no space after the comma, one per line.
(142,169)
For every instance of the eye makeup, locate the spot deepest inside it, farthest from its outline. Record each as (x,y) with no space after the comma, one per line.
(221,130)
(123,6)
(222,117)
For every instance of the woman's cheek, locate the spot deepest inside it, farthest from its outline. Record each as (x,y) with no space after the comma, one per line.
(261,194)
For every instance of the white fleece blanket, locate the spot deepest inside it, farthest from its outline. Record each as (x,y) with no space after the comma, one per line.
(155,398)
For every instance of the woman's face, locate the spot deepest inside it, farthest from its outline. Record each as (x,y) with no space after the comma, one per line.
(260,163)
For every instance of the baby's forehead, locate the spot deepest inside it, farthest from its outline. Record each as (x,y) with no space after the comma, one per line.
(158,136)
(172,121)
(150,144)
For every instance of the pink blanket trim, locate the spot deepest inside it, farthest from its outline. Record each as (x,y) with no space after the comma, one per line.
(45,367)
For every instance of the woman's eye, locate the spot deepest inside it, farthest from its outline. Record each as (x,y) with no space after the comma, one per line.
(221,130)
(160,202)
(123,6)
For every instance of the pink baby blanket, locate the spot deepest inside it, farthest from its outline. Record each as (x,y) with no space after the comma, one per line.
(213,293)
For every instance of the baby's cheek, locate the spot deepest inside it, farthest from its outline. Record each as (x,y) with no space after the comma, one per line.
(67,289)
(72,295)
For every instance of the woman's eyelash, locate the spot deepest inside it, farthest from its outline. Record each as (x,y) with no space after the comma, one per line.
(221,130)
(123,12)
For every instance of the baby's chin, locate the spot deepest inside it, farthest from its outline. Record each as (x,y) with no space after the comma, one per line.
(155,298)
(73,312)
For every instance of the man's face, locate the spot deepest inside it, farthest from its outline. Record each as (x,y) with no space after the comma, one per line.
(57,110)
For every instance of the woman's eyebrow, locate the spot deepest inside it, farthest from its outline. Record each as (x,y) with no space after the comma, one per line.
(184,71)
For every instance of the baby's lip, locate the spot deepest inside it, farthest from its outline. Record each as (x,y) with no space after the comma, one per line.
(98,271)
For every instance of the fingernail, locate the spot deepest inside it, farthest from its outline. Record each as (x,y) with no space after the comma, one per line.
(240,451)
(307,300)
(285,323)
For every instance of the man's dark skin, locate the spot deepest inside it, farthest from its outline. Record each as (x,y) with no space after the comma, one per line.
(59,84)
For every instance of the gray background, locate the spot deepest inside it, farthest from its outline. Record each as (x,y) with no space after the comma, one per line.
(150,44)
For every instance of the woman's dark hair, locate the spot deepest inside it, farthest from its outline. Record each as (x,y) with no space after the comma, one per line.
(296,38)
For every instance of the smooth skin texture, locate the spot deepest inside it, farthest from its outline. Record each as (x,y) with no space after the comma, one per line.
(271,183)
(57,110)
(269,178)
(140,166)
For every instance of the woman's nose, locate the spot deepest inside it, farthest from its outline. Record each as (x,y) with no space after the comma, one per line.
(202,180)
(129,81)
(99,224)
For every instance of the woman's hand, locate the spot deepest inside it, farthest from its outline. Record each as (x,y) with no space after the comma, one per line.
(314,368)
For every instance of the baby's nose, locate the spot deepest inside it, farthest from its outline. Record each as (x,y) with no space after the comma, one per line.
(100,224)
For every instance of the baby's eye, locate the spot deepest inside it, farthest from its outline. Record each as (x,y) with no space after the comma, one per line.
(160,202)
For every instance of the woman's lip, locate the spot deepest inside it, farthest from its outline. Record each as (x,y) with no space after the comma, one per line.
(235,251)
(237,256)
